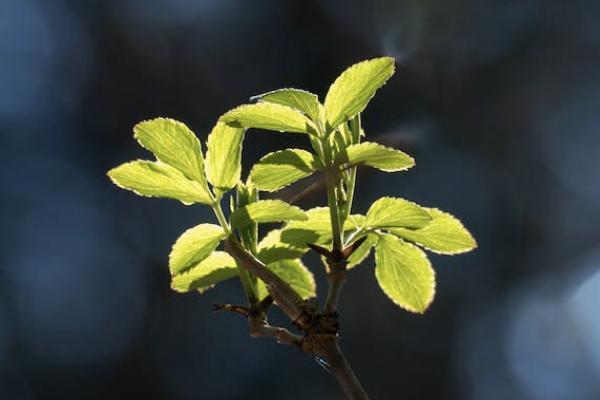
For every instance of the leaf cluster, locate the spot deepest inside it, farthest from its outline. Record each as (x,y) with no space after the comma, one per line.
(396,229)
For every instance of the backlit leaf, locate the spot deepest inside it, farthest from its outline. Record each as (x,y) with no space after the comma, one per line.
(271,248)
(445,234)
(363,251)
(155,179)
(317,228)
(293,272)
(375,155)
(271,116)
(404,273)
(394,212)
(193,246)
(224,156)
(354,88)
(354,221)
(216,268)
(282,168)
(264,211)
(299,99)
(173,143)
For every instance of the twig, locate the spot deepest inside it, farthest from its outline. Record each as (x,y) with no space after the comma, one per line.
(325,344)
(287,299)
(336,270)
(320,330)
(235,308)
(257,320)
(259,327)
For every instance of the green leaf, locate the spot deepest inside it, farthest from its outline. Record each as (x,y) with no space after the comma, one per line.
(354,88)
(269,116)
(282,168)
(173,143)
(404,273)
(445,234)
(224,156)
(155,179)
(293,272)
(193,246)
(217,267)
(264,211)
(396,212)
(375,155)
(299,99)
(271,248)
(317,228)
(354,221)
(363,251)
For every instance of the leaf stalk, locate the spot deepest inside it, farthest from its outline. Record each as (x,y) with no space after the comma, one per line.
(248,283)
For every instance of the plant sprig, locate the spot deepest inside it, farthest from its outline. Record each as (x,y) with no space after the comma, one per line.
(271,268)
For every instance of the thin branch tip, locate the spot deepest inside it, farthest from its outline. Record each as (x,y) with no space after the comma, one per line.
(235,308)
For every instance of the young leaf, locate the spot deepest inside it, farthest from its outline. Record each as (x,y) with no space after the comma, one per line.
(299,99)
(444,234)
(396,212)
(193,246)
(352,90)
(264,211)
(270,116)
(271,248)
(363,251)
(375,155)
(216,268)
(317,228)
(354,221)
(155,179)
(296,274)
(224,156)
(404,273)
(173,143)
(282,168)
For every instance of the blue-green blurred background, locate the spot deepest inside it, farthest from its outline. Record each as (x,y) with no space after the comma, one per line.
(499,101)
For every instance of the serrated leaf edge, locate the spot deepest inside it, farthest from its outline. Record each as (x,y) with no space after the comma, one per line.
(379,145)
(432,282)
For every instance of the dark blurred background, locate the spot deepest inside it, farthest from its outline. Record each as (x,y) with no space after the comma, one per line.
(499,101)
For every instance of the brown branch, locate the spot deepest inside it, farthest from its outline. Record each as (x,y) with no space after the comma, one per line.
(259,327)
(320,329)
(322,339)
(235,308)
(342,371)
(287,299)
(257,321)
(336,271)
